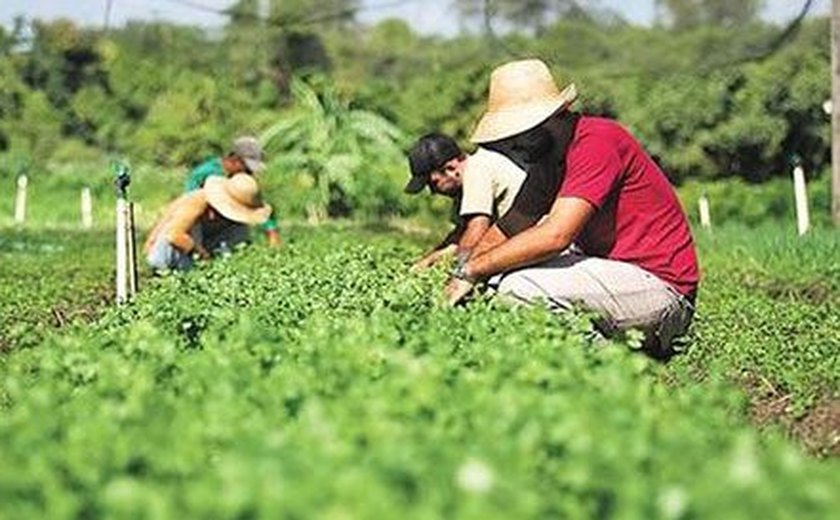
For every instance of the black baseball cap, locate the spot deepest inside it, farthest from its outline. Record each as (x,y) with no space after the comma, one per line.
(428,154)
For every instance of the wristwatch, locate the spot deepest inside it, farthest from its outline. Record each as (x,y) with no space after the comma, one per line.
(460,272)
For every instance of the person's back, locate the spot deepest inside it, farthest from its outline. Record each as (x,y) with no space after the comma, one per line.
(490,182)
(177,233)
(639,218)
(199,174)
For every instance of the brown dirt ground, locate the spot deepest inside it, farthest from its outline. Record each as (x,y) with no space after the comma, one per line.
(64,313)
(818,430)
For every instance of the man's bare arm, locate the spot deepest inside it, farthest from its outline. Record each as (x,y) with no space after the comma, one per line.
(492,238)
(447,247)
(433,257)
(468,235)
(552,235)
(477,226)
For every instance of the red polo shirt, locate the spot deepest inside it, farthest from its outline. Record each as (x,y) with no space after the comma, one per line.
(639,218)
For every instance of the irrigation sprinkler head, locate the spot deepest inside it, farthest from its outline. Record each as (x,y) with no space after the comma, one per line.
(21,166)
(122,178)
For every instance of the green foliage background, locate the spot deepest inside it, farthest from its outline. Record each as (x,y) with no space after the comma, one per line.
(340,101)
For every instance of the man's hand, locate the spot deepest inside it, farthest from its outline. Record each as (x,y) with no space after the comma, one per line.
(432,258)
(422,264)
(201,253)
(457,289)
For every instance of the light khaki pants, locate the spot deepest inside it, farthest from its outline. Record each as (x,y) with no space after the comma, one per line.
(624,295)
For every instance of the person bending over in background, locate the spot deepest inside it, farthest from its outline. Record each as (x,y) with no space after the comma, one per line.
(246,156)
(482,186)
(589,181)
(205,222)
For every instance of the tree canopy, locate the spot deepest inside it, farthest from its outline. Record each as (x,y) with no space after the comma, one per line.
(708,99)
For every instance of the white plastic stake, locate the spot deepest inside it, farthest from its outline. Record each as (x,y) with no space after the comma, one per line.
(705,217)
(122,252)
(20,200)
(803,221)
(87,208)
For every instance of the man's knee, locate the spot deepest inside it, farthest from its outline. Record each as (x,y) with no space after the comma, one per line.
(521,287)
(517,288)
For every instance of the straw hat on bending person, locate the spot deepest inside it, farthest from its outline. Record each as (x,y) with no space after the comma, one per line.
(523,94)
(237,198)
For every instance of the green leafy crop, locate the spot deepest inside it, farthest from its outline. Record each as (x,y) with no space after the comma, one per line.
(323,381)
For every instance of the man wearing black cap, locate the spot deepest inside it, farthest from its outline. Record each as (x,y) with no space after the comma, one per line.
(482,185)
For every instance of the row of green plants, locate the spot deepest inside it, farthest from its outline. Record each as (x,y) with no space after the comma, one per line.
(768,318)
(323,380)
(49,280)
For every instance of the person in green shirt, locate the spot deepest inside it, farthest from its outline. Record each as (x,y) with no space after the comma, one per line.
(246,156)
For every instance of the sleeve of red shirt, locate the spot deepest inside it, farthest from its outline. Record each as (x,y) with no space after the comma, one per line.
(593,168)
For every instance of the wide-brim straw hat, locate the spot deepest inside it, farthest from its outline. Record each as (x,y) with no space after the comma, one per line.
(523,94)
(237,198)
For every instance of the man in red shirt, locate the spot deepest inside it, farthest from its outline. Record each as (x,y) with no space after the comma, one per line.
(590,184)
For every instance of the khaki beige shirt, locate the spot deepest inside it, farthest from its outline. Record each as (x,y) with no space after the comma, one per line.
(490,182)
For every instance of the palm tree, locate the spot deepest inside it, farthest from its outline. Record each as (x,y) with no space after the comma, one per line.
(324,136)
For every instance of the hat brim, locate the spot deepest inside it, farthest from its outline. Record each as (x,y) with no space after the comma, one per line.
(416,184)
(230,208)
(502,123)
(253,165)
